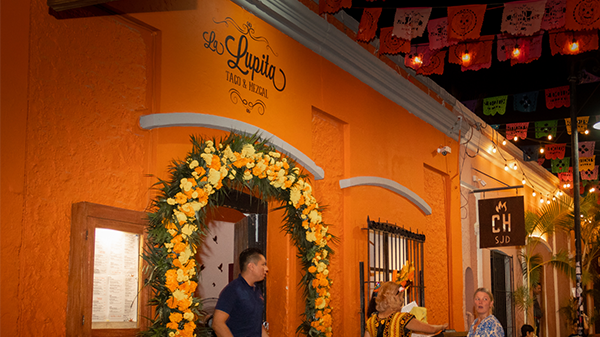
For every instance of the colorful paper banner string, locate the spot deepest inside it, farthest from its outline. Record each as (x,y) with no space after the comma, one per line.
(561,165)
(582,124)
(517,130)
(582,14)
(554,15)
(587,164)
(522,17)
(390,44)
(410,23)
(464,22)
(525,102)
(367,28)
(590,174)
(558,97)
(566,176)
(555,151)
(545,128)
(586,149)
(530,152)
(494,105)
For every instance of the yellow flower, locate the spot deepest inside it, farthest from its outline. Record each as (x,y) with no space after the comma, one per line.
(321,266)
(310,237)
(320,303)
(312,269)
(248,150)
(171,201)
(194,164)
(214,177)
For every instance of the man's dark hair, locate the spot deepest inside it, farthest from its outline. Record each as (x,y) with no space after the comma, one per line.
(526,329)
(249,255)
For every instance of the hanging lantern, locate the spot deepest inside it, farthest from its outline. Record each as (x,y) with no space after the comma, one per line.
(516,52)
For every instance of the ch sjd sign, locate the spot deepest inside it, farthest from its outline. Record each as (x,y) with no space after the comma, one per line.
(501,222)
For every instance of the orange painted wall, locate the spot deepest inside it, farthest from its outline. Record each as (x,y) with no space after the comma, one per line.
(88,79)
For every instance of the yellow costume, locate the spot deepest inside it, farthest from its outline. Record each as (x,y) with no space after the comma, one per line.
(395,325)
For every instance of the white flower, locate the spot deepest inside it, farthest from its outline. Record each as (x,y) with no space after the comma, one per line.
(207,158)
(214,176)
(194,164)
(188,316)
(227,153)
(274,154)
(248,151)
(186,185)
(321,266)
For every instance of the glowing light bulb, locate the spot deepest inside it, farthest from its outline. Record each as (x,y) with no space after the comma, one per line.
(417,61)
(548,201)
(564,185)
(574,46)
(541,200)
(587,132)
(560,193)
(516,138)
(505,167)
(494,149)
(516,52)
(549,137)
(523,181)
(592,190)
(568,185)
(533,194)
(553,198)
(542,149)
(515,166)
(466,58)
(504,142)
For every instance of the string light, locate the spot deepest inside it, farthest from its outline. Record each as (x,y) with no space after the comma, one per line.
(466,58)
(516,51)
(533,194)
(574,46)
(548,201)
(549,137)
(592,190)
(523,181)
(587,132)
(514,166)
(504,142)
(516,138)
(553,198)
(542,149)
(560,193)
(417,61)
(541,199)
(505,167)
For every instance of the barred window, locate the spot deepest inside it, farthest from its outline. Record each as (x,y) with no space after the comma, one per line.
(390,248)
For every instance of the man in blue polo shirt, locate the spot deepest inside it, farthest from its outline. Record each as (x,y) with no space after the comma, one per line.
(240,307)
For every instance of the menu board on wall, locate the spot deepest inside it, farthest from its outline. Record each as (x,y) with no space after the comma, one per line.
(116,259)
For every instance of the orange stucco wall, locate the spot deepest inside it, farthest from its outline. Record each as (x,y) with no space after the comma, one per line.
(70,133)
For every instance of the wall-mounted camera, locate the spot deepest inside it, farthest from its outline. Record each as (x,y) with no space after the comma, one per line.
(444,150)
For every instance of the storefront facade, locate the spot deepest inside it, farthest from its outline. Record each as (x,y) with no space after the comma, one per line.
(102,99)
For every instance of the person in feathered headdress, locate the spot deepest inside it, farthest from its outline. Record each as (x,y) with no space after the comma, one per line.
(387,320)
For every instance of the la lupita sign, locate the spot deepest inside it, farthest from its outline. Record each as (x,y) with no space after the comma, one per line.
(501,222)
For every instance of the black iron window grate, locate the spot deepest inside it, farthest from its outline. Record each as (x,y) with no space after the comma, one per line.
(390,248)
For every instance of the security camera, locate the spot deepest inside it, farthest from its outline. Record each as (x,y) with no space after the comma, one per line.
(444,150)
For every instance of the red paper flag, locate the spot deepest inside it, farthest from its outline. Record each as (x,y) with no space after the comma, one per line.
(480,53)
(516,130)
(558,97)
(438,34)
(464,22)
(333,6)
(433,63)
(561,41)
(566,176)
(390,44)
(582,14)
(555,151)
(554,15)
(368,24)
(411,22)
(523,17)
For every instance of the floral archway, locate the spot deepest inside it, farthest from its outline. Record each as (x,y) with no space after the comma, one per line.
(177,227)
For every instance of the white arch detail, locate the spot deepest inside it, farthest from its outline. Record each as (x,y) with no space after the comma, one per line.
(390,185)
(163,120)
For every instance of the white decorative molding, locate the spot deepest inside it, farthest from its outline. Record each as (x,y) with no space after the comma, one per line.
(163,120)
(390,185)
(294,19)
